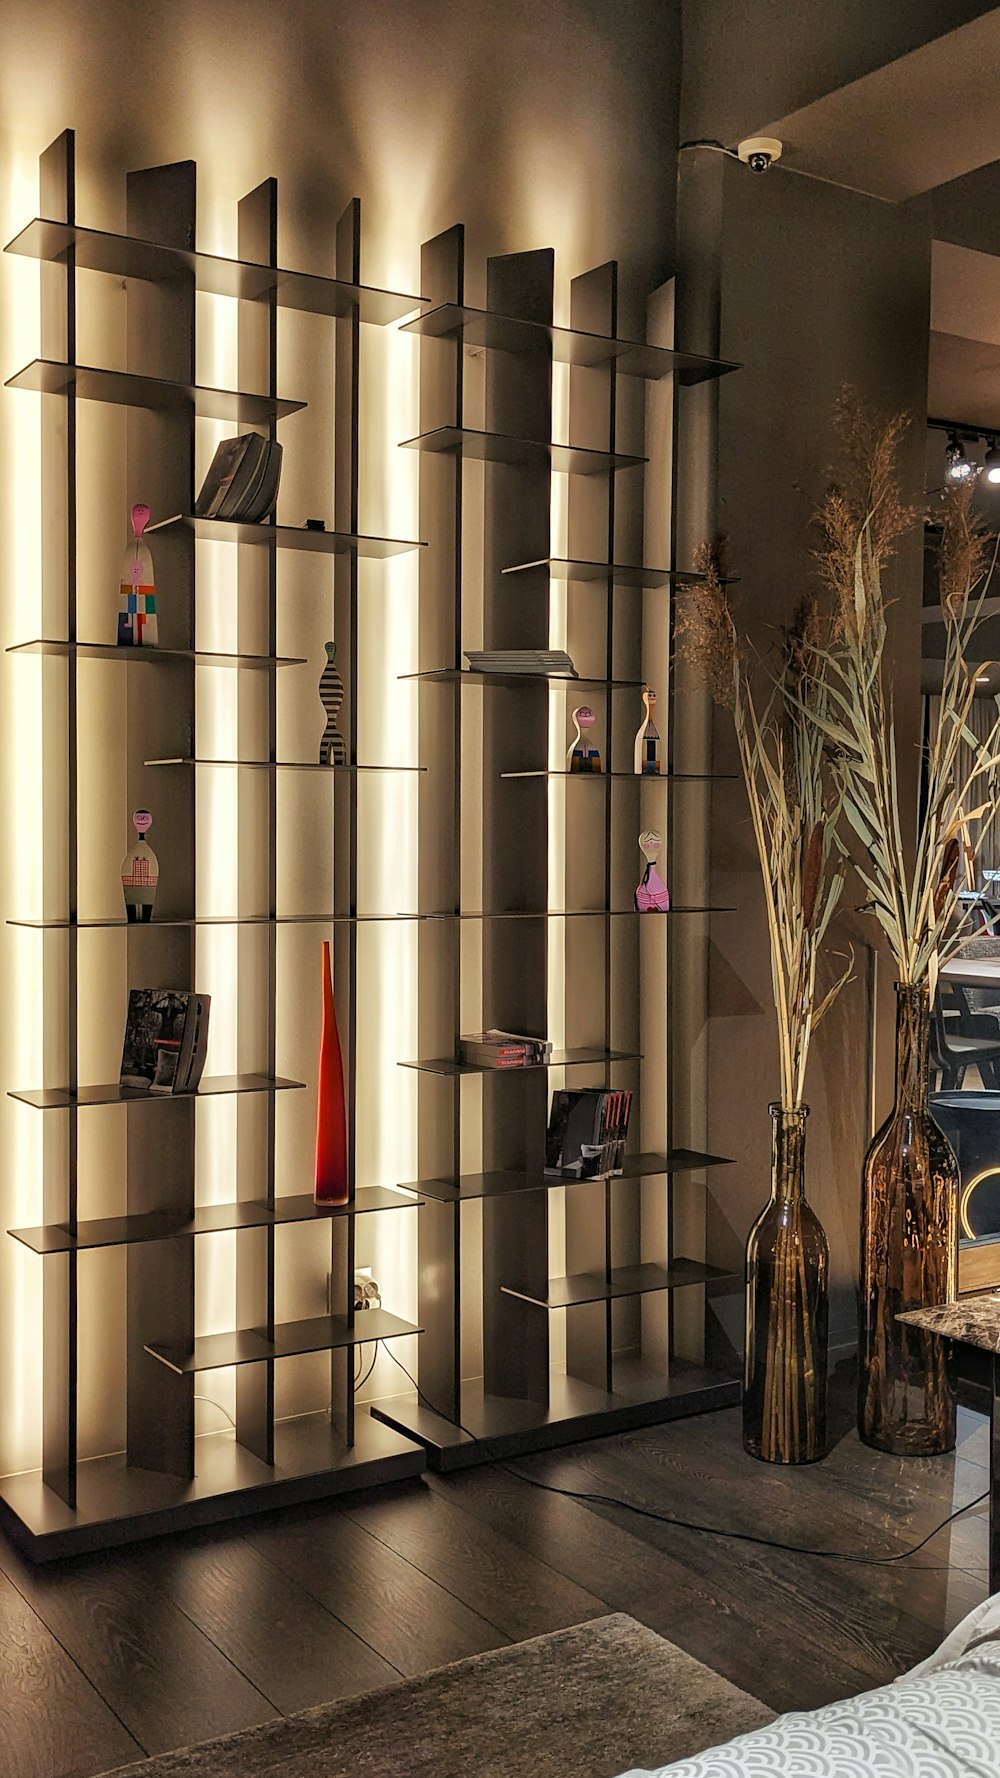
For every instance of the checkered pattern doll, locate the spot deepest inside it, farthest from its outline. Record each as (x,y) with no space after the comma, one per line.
(137,593)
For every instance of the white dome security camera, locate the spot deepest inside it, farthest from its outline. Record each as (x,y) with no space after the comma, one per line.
(757,152)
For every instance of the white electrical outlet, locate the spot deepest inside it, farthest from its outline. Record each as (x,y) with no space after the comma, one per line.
(367,1294)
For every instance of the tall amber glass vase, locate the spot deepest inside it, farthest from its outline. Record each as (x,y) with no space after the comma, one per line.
(909,1237)
(787,1281)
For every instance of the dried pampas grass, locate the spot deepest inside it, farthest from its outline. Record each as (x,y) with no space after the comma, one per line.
(794,804)
(913,892)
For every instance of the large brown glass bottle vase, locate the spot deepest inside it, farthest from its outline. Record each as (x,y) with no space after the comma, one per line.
(787,1283)
(909,1235)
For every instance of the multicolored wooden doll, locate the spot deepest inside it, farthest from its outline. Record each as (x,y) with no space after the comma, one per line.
(647,740)
(652,895)
(582,757)
(137,592)
(140,871)
(332,751)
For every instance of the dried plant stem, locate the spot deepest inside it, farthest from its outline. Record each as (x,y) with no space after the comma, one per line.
(913,898)
(793,806)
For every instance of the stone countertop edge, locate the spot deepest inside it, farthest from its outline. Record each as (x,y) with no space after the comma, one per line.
(973,1320)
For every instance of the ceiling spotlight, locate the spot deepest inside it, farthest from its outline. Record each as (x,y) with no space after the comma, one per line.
(993,462)
(956,464)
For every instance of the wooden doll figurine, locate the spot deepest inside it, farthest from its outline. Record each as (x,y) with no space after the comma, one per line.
(582,757)
(140,871)
(332,751)
(647,739)
(652,895)
(137,592)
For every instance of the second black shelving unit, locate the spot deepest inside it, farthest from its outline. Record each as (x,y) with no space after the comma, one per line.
(591,1348)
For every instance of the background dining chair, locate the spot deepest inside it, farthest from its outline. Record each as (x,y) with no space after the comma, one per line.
(974,1044)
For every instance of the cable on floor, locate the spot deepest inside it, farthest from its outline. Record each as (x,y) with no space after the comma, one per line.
(647,1512)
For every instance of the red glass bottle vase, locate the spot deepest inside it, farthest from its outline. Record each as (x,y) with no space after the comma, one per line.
(331,1115)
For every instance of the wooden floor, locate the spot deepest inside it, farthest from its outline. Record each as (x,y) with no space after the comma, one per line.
(106,1658)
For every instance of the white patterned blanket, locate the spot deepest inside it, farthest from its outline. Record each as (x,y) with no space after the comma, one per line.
(942,1720)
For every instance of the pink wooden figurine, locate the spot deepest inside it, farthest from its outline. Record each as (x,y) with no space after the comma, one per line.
(137,592)
(652,895)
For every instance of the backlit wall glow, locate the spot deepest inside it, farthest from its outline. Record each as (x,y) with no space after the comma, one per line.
(432,111)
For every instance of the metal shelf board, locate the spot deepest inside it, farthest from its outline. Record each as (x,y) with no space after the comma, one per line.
(600,1287)
(568,345)
(297,537)
(521,453)
(251,1345)
(60,1098)
(447,1065)
(123,388)
(153,657)
(471,1186)
(208,1219)
(280,765)
(124,256)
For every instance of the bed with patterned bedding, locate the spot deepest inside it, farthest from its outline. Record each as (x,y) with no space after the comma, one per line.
(940,1720)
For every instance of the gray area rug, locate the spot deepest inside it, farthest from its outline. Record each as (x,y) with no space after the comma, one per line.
(587,1702)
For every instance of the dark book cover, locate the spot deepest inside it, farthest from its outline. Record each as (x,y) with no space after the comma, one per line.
(244,478)
(575,1122)
(228,456)
(166,1036)
(262,496)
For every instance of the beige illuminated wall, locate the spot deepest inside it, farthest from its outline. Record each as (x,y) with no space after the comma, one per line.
(537,125)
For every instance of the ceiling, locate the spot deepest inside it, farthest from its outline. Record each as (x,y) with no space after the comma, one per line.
(921,121)
(928,122)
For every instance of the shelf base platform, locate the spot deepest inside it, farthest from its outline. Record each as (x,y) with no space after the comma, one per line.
(576,1411)
(119,1505)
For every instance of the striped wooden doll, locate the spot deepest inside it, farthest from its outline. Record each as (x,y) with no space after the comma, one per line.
(137,592)
(332,751)
(582,757)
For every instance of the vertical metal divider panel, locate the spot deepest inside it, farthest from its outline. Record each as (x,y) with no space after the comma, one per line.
(160,206)
(682,457)
(345,795)
(655,999)
(57,196)
(439,1100)
(257,624)
(517,523)
(590,628)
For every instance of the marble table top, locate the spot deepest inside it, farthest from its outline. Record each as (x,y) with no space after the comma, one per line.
(974,1320)
(972,972)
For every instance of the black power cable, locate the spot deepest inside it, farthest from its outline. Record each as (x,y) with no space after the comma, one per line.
(647,1512)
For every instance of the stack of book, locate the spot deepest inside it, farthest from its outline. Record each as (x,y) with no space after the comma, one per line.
(504,1049)
(537,661)
(242,480)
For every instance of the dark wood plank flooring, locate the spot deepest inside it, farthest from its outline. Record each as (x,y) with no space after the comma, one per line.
(108,1657)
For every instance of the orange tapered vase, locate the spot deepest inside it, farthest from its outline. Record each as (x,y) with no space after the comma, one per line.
(331,1115)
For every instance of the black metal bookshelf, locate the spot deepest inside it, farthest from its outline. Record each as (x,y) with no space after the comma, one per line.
(163,1479)
(615,1265)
